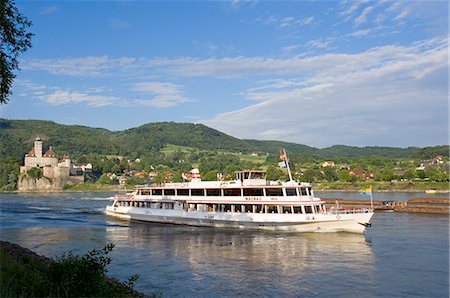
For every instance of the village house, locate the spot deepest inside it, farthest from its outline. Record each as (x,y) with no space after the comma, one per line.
(361,173)
(326,164)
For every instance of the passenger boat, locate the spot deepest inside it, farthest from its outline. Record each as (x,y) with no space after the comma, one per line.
(248,202)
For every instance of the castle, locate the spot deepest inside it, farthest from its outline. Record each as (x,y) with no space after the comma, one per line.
(56,172)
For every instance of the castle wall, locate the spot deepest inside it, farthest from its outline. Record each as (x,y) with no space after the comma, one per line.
(41,161)
(56,172)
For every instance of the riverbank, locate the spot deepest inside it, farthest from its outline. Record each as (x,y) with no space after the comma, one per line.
(26,274)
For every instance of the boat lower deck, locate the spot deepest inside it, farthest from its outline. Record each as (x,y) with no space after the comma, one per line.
(321,222)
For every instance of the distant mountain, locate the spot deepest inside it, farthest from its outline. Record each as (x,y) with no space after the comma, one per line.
(17,136)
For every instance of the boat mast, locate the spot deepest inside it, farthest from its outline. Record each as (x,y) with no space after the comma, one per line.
(286,161)
(371,198)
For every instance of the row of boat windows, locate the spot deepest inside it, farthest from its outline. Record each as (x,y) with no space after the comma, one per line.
(240,208)
(235,192)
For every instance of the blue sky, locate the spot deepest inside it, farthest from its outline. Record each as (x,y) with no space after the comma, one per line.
(320,73)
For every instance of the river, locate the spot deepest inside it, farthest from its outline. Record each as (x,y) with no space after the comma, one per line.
(400,255)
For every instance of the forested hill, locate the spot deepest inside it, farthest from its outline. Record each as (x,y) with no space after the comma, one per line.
(17,136)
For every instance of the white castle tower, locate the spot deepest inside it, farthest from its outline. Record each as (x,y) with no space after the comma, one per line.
(38,147)
(36,157)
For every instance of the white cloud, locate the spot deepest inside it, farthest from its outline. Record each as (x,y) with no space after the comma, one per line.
(321,43)
(119,24)
(84,66)
(351,9)
(385,96)
(165,95)
(360,33)
(308,21)
(60,97)
(49,10)
(363,16)
(402,15)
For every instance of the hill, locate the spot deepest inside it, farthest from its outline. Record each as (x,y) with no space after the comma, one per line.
(17,137)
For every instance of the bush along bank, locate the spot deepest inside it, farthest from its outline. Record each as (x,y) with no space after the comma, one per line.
(25,274)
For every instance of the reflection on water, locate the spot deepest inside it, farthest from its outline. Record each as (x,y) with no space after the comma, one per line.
(257,262)
(402,255)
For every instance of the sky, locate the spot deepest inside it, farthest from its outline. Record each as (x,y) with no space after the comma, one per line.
(319,73)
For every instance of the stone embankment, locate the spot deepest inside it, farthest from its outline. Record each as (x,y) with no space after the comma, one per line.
(45,184)
(419,205)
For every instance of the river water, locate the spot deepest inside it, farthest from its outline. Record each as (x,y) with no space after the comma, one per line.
(401,255)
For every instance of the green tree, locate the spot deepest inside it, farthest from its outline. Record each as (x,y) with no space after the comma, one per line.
(410,174)
(345,176)
(275,173)
(15,40)
(210,176)
(136,181)
(104,179)
(330,174)
(311,175)
(35,173)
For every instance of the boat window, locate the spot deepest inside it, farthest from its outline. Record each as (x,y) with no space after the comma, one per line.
(232,192)
(287,209)
(259,209)
(297,209)
(317,208)
(169,192)
(253,192)
(238,208)
(308,209)
(145,192)
(168,205)
(197,192)
(226,208)
(182,192)
(309,191)
(274,192)
(157,192)
(303,191)
(246,175)
(248,208)
(213,192)
(272,209)
(291,191)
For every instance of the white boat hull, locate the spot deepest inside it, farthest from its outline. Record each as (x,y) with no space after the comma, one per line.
(319,222)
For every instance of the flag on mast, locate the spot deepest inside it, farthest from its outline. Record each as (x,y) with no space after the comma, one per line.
(366,191)
(285,163)
(284,160)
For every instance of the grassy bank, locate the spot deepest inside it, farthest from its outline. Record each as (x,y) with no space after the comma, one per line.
(382,186)
(26,274)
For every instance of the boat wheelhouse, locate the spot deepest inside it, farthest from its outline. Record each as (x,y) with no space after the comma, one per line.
(248,202)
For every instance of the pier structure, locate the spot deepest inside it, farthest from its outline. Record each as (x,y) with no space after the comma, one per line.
(419,205)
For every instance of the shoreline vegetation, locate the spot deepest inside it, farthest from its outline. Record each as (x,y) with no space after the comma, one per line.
(26,274)
(378,186)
